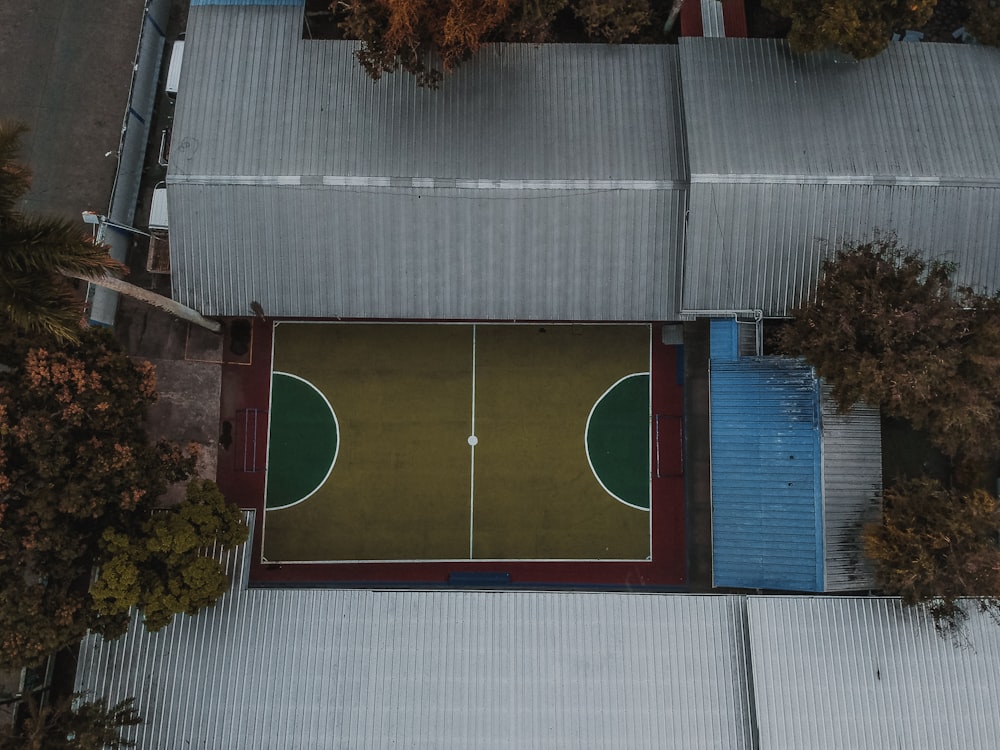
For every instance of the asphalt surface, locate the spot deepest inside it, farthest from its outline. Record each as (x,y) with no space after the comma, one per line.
(67,65)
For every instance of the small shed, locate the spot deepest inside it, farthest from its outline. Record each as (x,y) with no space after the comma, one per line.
(793,480)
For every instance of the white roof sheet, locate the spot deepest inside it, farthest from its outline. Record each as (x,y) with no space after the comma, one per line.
(313,668)
(293,667)
(835,673)
(852,492)
(755,110)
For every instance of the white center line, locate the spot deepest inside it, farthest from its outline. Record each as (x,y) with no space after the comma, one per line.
(472,446)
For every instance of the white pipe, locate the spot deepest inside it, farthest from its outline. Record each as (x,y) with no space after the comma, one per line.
(758,315)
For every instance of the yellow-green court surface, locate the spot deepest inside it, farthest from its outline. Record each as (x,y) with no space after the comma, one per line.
(395,442)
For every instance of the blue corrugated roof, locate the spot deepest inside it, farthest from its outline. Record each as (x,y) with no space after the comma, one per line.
(766,473)
(724,343)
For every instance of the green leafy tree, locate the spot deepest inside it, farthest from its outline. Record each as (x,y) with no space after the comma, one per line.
(165,569)
(74,461)
(892,330)
(936,546)
(71,724)
(861,28)
(37,255)
(41,257)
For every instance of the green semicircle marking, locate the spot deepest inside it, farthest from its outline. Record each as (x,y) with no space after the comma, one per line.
(303,441)
(617,440)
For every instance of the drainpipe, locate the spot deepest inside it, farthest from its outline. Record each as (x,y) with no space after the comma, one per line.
(758,315)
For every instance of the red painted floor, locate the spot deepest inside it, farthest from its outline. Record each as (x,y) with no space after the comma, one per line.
(245,398)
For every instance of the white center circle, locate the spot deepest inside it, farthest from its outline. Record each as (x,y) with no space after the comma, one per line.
(473,440)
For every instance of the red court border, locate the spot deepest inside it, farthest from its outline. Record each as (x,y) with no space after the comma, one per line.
(247,387)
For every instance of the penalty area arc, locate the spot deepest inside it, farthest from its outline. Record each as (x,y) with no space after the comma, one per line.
(603,403)
(315,401)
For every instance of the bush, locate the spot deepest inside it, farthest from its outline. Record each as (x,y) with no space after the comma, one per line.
(166,568)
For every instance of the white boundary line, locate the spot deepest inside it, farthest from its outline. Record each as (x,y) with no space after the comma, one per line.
(464,560)
(277,323)
(649,441)
(267,448)
(472,449)
(336,450)
(586,441)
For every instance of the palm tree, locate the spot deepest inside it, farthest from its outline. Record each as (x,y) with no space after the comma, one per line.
(40,256)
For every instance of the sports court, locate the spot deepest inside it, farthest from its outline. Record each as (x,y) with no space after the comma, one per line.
(394,442)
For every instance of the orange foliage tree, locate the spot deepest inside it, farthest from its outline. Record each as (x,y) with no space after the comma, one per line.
(430,37)
(417,35)
(936,547)
(892,330)
(74,461)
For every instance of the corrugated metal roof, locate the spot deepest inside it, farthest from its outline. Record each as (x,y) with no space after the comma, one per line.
(712,22)
(766,474)
(396,253)
(762,246)
(852,491)
(269,668)
(835,673)
(539,182)
(765,430)
(792,156)
(915,111)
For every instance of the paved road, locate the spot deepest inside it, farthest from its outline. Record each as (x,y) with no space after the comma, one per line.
(65,69)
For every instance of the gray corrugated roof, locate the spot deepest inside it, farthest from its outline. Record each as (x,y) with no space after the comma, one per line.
(852,491)
(793,156)
(712,22)
(762,246)
(916,111)
(539,182)
(307,668)
(397,253)
(269,668)
(836,673)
